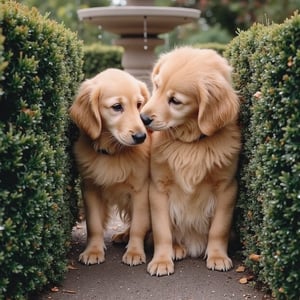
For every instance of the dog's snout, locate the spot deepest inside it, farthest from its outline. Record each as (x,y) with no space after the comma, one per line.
(146,120)
(139,137)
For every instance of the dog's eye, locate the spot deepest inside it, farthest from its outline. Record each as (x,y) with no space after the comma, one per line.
(139,105)
(173,100)
(117,107)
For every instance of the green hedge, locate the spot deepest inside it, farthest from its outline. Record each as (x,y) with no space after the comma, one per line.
(98,57)
(249,213)
(41,66)
(220,48)
(266,60)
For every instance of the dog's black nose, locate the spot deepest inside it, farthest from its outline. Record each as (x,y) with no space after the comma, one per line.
(146,120)
(139,137)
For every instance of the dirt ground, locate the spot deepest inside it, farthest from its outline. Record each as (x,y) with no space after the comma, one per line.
(114,280)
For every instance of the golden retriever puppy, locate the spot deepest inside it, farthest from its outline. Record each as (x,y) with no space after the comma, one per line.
(194,155)
(112,154)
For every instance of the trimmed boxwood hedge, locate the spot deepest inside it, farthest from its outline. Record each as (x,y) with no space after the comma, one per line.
(266,60)
(249,215)
(41,67)
(99,57)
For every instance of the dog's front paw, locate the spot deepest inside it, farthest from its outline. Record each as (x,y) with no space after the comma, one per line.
(161,267)
(219,263)
(134,257)
(92,255)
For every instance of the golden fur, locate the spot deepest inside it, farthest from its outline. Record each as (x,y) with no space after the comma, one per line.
(112,154)
(194,154)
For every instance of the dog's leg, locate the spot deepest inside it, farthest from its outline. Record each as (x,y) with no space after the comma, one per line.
(96,217)
(140,225)
(162,262)
(216,252)
(179,251)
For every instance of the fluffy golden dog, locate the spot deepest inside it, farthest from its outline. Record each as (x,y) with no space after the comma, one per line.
(112,154)
(194,155)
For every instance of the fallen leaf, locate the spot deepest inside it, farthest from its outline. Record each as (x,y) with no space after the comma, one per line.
(254,257)
(257,95)
(55,289)
(69,291)
(243,280)
(290,61)
(28,112)
(240,269)
(71,267)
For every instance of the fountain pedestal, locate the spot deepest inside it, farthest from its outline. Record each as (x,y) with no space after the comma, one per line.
(136,60)
(138,28)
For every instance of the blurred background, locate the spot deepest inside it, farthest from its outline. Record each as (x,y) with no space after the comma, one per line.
(219,22)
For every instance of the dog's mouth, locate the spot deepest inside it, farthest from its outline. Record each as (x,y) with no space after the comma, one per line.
(133,139)
(161,126)
(110,143)
(156,125)
(139,137)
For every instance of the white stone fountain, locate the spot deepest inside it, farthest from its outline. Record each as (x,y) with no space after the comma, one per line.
(138,25)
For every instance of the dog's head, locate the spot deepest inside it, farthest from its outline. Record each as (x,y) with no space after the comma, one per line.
(111,102)
(192,90)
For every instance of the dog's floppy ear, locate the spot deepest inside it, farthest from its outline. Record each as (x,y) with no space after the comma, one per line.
(85,109)
(144,90)
(219,104)
(157,67)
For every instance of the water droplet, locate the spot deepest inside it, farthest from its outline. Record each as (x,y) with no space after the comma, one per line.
(145,34)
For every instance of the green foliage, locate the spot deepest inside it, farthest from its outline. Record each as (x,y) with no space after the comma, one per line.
(212,34)
(267,74)
(235,14)
(98,57)
(40,65)
(218,23)
(3,63)
(220,48)
(66,12)
(249,208)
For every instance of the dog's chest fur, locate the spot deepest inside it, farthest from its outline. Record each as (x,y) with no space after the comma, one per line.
(124,171)
(190,163)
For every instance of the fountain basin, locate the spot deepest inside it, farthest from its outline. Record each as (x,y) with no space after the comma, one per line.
(138,26)
(129,20)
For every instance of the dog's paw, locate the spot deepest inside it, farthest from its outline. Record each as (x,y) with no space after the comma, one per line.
(121,238)
(92,255)
(179,252)
(133,258)
(219,263)
(161,267)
